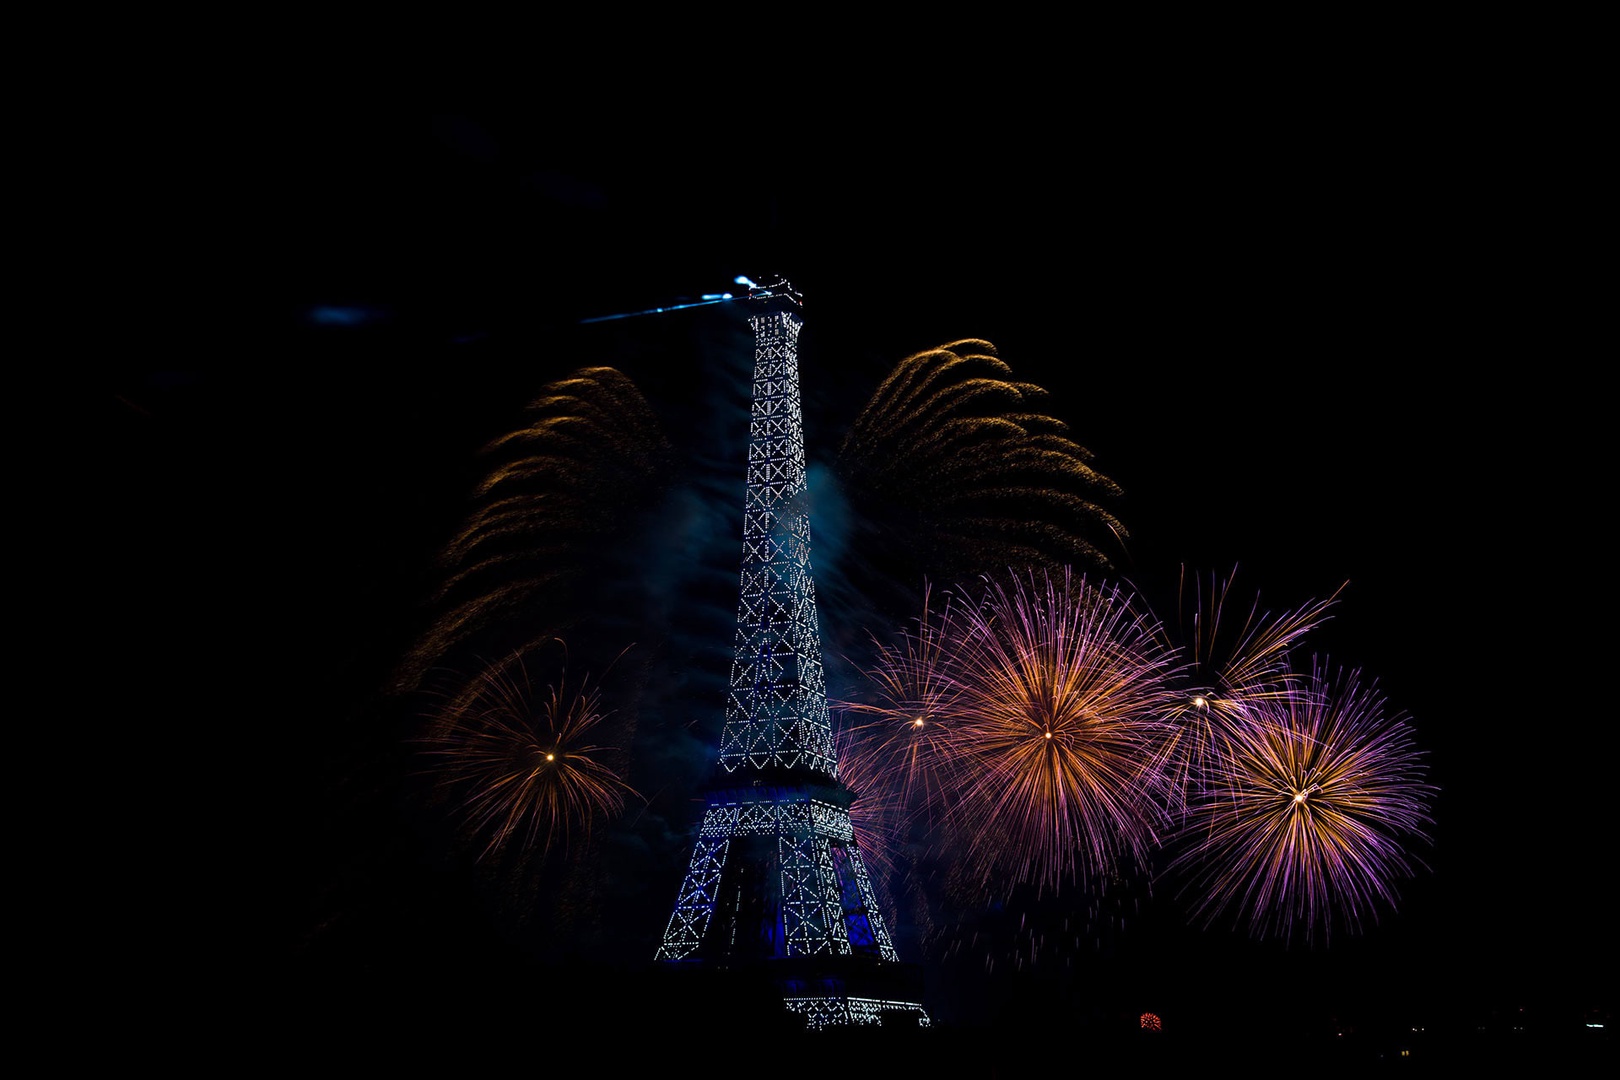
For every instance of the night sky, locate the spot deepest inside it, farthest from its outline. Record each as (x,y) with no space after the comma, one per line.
(1321,342)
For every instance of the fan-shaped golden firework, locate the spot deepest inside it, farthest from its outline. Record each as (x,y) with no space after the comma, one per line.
(954,460)
(560,490)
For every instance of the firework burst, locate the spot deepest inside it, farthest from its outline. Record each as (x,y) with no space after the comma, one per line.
(1024,739)
(520,763)
(1304,811)
(902,728)
(1060,743)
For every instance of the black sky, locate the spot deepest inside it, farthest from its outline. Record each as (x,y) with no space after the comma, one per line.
(1324,341)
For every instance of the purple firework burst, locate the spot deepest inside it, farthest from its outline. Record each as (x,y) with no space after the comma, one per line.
(1304,810)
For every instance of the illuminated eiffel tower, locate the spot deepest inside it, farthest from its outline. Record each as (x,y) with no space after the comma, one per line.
(776,888)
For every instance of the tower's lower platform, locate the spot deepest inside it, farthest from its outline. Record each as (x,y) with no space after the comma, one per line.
(777,905)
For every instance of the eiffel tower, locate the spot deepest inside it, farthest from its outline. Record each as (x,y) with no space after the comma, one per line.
(776,889)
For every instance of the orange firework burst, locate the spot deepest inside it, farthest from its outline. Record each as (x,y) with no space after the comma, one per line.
(521,761)
(1060,739)
(1031,729)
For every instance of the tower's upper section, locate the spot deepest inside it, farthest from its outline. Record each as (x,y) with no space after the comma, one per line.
(776,711)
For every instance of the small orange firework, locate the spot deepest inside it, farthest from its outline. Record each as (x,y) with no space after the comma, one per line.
(521,763)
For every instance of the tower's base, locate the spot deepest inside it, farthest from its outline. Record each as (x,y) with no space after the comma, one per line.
(792,995)
(828,1007)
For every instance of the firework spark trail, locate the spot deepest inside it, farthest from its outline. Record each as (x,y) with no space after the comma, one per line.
(1305,810)
(520,763)
(1060,739)
(1255,660)
(1229,669)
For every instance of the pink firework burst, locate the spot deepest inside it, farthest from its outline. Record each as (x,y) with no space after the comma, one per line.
(901,728)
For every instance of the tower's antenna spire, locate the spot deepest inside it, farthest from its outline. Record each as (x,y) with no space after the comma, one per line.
(752,291)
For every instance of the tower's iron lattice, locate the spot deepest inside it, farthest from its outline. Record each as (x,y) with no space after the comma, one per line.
(776,882)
